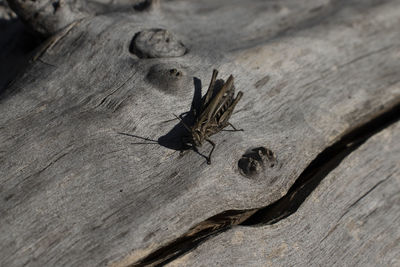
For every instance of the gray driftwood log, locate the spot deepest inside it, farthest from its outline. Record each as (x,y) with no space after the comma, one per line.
(91,172)
(351,219)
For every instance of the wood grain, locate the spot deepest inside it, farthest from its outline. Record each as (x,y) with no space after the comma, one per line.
(76,192)
(351,219)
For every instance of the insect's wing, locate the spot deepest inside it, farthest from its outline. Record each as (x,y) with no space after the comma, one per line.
(210,90)
(223,119)
(207,114)
(225,102)
(214,103)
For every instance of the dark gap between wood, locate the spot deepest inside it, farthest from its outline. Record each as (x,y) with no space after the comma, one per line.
(310,178)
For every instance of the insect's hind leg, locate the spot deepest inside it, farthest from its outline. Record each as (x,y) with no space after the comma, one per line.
(209,155)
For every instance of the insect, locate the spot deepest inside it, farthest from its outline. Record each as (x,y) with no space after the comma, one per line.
(213,115)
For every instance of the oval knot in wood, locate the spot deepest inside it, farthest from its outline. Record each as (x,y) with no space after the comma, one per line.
(167,78)
(156,43)
(256,160)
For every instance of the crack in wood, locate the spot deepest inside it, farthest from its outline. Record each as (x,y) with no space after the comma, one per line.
(114,91)
(52,162)
(51,42)
(306,183)
(321,166)
(363,196)
(351,206)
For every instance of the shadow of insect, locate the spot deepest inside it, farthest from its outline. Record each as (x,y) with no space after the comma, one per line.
(208,115)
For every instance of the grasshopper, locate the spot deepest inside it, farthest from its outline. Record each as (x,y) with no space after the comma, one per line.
(213,114)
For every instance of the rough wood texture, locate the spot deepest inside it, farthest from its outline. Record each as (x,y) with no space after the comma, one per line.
(46,17)
(76,192)
(351,219)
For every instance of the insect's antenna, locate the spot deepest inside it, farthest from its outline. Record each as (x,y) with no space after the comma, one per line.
(184,124)
(139,137)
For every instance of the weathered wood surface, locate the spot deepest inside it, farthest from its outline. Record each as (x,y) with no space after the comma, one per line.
(75,192)
(351,219)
